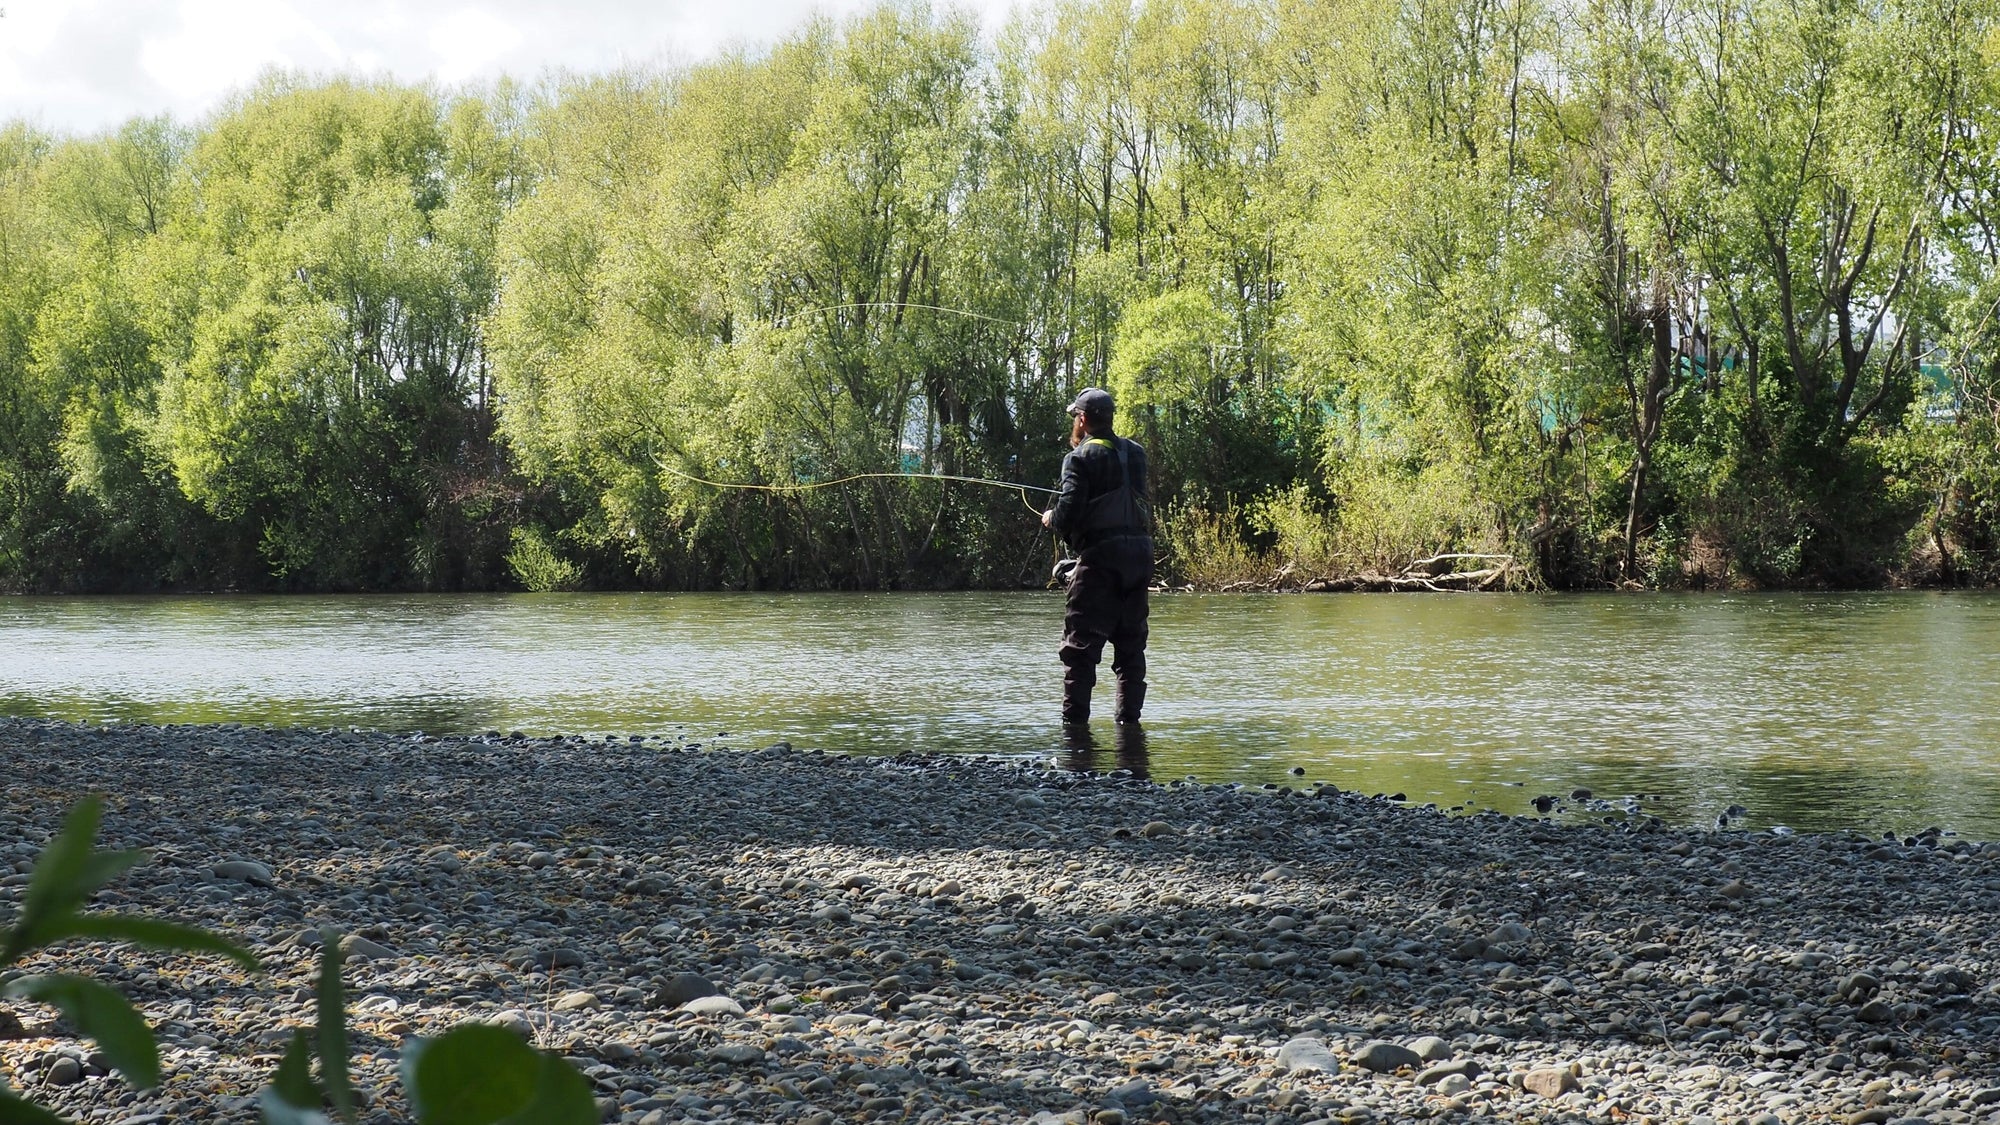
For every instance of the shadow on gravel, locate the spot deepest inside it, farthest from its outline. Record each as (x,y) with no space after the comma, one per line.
(959,936)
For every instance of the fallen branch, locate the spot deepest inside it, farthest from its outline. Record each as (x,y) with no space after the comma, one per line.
(1416,577)
(1419,575)
(1426,564)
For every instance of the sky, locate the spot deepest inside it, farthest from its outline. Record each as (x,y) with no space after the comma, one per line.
(87,66)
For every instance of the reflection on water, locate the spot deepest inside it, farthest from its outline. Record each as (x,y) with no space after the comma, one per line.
(1081,750)
(1818,711)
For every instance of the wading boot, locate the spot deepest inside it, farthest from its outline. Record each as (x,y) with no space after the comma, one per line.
(1078,682)
(1131,700)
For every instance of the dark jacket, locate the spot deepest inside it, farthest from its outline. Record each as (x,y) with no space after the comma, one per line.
(1105,524)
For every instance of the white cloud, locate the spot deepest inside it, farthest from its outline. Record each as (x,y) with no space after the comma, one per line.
(470,41)
(220,45)
(88,65)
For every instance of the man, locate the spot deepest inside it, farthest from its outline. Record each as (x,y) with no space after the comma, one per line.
(1104,512)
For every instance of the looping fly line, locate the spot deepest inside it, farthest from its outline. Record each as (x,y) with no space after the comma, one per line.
(782,321)
(808,486)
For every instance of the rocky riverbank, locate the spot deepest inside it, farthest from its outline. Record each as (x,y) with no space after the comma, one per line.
(788,936)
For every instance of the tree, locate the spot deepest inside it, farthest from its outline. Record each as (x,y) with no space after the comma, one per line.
(333,263)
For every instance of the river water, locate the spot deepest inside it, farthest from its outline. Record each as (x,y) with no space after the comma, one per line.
(1864,711)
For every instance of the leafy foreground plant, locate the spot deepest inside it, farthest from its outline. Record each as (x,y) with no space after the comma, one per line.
(474,1074)
(66,874)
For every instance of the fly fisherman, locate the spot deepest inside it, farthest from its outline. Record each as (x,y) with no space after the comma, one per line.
(1103,511)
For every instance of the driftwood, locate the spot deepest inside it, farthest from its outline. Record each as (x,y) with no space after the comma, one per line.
(1437,574)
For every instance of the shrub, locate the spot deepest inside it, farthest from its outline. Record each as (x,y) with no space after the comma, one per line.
(538,566)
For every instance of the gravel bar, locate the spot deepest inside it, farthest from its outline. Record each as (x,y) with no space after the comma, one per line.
(789,936)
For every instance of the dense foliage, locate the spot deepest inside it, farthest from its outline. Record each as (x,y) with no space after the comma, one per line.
(1658,291)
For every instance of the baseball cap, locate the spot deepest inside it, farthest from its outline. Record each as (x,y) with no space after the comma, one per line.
(1093,402)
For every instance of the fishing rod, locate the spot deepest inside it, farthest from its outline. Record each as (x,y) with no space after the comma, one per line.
(1056,572)
(807,486)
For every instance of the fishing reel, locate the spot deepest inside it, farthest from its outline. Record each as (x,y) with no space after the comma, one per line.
(1063,571)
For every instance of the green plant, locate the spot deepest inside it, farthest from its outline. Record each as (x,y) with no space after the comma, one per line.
(1206,547)
(1304,536)
(66,874)
(473,1074)
(294,1097)
(537,565)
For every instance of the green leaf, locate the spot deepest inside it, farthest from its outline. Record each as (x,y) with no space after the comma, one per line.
(562,1097)
(100,1013)
(332,1026)
(278,1111)
(155,934)
(474,1074)
(14,1111)
(59,881)
(49,923)
(100,868)
(293,1082)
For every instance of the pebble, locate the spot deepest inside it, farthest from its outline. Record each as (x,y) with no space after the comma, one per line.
(576,1001)
(358,948)
(245,871)
(515,1021)
(681,988)
(712,1006)
(738,1053)
(1464,1068)
(1549,1082)
(1430,1048)
(1307,1054)
(1383,1057)
(1139,1093)
(801,937)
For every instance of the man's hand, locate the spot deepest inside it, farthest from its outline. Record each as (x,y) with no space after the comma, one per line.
(1047,516)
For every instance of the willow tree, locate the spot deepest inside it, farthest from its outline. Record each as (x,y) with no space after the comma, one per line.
(861,318)
(327,273)
(1419,307)
(779,287)
(582,414)
(33,512)
(1951,451)
(1158,128)
(1809,157)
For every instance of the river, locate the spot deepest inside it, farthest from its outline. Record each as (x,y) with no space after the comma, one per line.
(1813,711)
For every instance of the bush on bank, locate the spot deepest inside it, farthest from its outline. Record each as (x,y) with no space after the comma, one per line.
(1374,282)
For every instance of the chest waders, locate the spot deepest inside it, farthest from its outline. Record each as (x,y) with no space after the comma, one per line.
(1105,604)
(1115,513)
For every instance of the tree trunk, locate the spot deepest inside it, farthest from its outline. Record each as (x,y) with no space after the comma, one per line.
(1649,408)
